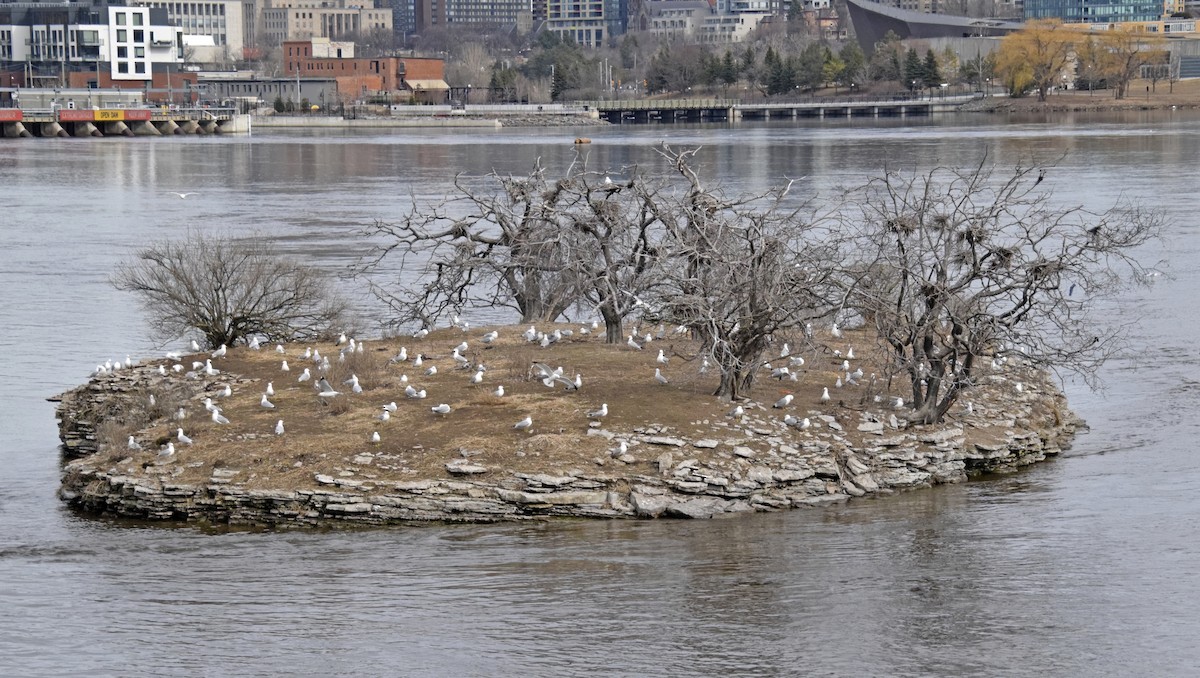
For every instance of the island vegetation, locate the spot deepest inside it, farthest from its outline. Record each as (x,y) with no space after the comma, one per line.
(786,345)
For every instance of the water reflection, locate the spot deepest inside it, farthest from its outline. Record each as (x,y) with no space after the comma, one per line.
(1084,566)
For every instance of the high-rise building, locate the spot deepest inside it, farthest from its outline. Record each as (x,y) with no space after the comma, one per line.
(448,13)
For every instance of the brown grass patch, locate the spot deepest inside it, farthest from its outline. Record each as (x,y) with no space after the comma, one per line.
(326,437)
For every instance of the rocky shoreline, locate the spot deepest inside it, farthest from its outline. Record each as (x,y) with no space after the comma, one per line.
(757,464)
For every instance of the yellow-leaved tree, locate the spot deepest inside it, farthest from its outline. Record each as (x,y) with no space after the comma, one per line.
(1126,51)
(1035,57)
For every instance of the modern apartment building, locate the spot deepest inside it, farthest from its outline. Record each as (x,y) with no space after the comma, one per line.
(42,44)
(213,30)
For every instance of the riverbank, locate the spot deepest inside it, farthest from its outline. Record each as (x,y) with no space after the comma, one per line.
(662,451)
(1142,96)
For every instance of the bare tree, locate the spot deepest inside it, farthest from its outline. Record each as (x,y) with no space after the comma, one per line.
(478,249)
(229,289)
(743,271)
(538,245)
(959,266)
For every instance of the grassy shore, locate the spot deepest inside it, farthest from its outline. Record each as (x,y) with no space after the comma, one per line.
(1184,95)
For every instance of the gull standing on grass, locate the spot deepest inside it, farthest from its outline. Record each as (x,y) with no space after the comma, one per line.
(179,435)
(279,427)
(600,413)
(217,417)
(658,376)
(441,409)
(524,423)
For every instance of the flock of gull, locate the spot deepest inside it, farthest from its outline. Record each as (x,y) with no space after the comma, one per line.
(317,367)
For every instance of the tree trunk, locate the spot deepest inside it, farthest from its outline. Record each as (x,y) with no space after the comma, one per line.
(614,331)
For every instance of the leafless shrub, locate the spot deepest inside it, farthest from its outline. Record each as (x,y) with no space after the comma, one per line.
(227,290)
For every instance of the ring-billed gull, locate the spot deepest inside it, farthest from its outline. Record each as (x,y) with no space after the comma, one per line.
(179,435)
(600,413)
(441,409)
(524,423)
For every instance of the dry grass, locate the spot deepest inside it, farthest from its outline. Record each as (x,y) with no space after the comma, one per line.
(332,435)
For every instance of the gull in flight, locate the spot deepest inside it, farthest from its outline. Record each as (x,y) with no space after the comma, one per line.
(441,409)
(179,435)
(266,403)
(217,417)
(658,376)
(600,413)
(279,427)
(524,423)
(183,196)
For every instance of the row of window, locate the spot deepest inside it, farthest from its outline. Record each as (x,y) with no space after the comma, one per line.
(123,35)
(134,18)
(138,67)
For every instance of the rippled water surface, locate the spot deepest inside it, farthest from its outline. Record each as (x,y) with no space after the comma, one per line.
(1086,566)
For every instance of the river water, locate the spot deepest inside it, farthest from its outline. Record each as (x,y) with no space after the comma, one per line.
(1084,566)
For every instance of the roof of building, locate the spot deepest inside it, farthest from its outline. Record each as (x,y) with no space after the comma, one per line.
(872,21)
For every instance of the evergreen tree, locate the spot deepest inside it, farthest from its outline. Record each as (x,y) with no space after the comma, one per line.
(914,70)
(855,63)
(931,74)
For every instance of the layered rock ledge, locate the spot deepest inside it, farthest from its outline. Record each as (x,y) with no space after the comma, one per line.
(718,467)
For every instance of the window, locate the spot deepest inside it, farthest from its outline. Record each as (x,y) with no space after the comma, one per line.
(139,67)
(139,36)
(137,19)
(122,35)
(120,18)
(122,67)
(122,52)
(139,52)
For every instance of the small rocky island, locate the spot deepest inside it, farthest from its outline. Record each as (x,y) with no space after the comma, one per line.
(141,443)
